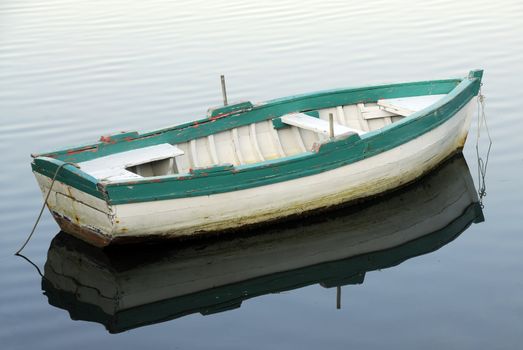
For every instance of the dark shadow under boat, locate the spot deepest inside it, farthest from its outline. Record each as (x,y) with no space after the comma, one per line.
(128,288)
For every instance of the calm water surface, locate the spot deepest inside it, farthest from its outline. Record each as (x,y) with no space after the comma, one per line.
(73,70)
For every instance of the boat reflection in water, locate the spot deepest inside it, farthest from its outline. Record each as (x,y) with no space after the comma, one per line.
(136,286)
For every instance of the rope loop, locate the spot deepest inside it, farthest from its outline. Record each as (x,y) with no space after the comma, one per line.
(482,163)
(45,202)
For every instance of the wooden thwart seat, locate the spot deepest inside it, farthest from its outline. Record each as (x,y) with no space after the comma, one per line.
(405,106)
(114,167)
(317,125)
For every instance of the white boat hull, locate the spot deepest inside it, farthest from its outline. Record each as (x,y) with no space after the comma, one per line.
(194,215)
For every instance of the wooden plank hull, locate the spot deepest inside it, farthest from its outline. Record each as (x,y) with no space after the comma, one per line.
(247,164)
(92,219)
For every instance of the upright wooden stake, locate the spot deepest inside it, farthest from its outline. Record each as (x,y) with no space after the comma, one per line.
(224,91)
(331,125)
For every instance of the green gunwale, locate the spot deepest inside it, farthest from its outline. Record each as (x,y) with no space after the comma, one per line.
(330,155)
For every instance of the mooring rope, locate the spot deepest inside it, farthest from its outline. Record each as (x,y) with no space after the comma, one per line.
(32,263)
(482,164)
(45,202)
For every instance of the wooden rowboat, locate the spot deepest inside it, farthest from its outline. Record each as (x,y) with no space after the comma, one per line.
(128,288)
(251,163)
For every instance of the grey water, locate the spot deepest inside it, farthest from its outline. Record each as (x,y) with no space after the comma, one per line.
(71,71)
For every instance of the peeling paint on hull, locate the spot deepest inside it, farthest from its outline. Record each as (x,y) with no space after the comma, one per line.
(84,233)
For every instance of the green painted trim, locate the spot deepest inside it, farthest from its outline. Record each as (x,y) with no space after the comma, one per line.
(212,169)
(278,124)
(259,112)
(69,175)
(121,136)
(234,108)
(328,156)
(478,73)
(314,114)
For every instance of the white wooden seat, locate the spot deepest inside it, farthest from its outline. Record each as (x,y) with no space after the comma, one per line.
(405,106)
(369,112)
(317,125)
(114,167)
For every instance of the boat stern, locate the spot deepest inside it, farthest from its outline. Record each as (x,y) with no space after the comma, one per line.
(75,201)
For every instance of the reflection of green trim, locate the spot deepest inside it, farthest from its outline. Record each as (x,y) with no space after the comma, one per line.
(331,155)
(78,310)
(334,273)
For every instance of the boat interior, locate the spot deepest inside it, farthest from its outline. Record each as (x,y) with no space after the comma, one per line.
(284,136)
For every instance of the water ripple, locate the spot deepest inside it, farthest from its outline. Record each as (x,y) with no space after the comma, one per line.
(73,70)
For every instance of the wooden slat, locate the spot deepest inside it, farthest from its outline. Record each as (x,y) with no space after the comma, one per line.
(194,154)
(397,111)
(297,134)
(276,139)
(254,141)
(212,148)
(405,106)
(341,115)
(113,167)
(376,113)
(237,148)
(316,125)
(363,122)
